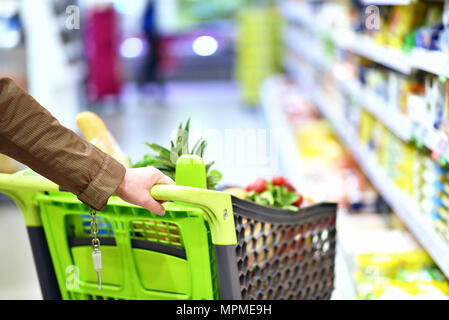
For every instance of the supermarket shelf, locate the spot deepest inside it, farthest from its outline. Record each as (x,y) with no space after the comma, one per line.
(434,140)
(293,41)
(407,130)
(435,62)
(388,57)
(420,226)
(426,60)
(347,40)
(344,285)
(400,125)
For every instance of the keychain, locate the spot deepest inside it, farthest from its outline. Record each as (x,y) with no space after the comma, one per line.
(96,253)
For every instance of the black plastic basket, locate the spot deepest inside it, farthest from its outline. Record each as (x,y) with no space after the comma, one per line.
(283,254)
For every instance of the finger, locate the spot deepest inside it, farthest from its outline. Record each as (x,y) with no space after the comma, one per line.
(152,205)
(163,179)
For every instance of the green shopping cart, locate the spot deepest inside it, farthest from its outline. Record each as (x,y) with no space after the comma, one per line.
(209,245)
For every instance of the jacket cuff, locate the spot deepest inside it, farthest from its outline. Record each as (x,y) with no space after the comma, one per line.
(104,184)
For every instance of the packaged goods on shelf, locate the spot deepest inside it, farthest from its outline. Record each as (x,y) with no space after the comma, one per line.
(410,169)
(257,49)
(420,97)
(432,111)
(401,37)
(417,25)
(385,93)
(386,262)
(400,20)
(427,182)
(405,275)
(416,174)
(440,210)
(428,36)
(323,161)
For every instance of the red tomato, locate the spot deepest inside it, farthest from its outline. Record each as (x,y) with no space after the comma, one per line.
(300,200)
(290,187)
(250,187)
(260,185)
(279,180)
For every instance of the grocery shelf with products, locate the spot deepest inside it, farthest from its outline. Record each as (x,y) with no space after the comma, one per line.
(385,94)
(420,58)
(278,89)
(435,62)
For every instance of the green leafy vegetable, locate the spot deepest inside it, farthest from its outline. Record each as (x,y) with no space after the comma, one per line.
(275,196)
(165,159)
(148,160)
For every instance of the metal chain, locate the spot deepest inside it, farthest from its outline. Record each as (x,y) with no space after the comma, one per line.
(94,230)
(96,254)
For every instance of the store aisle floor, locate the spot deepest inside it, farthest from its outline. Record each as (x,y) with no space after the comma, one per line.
(214,108)
(18,277)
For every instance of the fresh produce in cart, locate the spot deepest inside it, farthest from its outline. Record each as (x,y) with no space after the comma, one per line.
(165,159)
(276,193)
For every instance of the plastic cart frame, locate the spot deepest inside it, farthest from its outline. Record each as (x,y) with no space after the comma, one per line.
(249,260)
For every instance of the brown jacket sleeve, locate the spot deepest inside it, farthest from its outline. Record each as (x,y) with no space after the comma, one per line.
(31,135)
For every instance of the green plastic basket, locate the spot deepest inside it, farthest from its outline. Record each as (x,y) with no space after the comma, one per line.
(198,250)
(144,255)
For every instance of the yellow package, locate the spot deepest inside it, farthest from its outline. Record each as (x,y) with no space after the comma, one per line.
(405,275)
(405,168)
(366,126)
(8,165)
(94,130)
(387,263)
(383,141)
(401,21)
(315,140)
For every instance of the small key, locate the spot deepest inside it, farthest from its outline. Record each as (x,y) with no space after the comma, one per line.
(99,279)
(96,256)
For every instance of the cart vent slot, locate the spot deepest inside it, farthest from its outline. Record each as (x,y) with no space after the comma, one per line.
(159,247)
(157,231)
(78,225)
(75,295)
(95,297)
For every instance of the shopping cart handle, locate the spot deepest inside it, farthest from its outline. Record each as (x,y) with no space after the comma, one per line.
(216,205)
(22,187)
(26,180)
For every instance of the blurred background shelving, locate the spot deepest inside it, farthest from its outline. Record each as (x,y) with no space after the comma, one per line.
(358,80)
(354,115)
